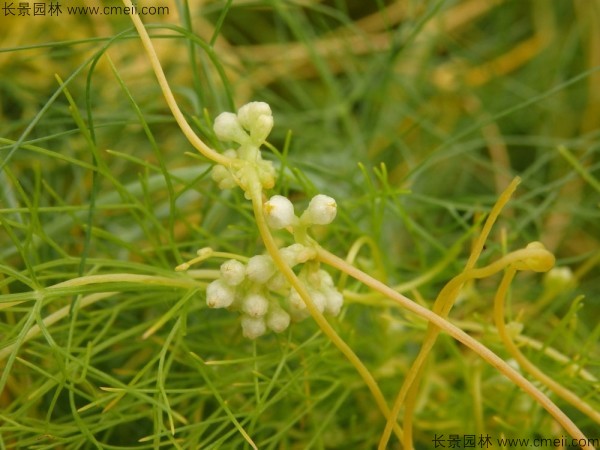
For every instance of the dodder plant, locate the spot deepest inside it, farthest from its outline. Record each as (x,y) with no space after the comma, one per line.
(292,282)
(267,290)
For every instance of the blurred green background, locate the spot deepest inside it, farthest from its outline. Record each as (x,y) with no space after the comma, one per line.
(414,115)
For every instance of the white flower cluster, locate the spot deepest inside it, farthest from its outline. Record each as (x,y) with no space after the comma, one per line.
(263,296)
(249,129)
(257,289)
(279,212)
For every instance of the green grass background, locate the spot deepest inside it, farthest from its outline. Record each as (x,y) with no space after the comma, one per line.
(414,115)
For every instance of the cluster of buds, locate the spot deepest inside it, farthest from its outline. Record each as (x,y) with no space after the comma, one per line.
(263,296)
(248,129)
(257,289)
(279,212)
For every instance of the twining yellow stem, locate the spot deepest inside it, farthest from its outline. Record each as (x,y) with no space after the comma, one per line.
(288,273)
(490,221)
(164,86)
(442,323)
(555,387)
(442,306)
(540,260)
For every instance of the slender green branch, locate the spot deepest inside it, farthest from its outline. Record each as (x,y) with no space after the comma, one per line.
(55,317)
(185,283)
(179,282)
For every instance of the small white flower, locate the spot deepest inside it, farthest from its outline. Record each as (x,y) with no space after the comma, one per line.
(223,177)
(251,112)
(266,174)
(333,301)
(318,299)
(255,305)
(278,320)
(319,279)
(253,327)
(296,301)
(321,210)
(230,153)
(257,118)
(228,128)
(326,279)
(297,254)
(249,153)
(233,272)
(277,282)
(219,294)
(262,128)
(279,212)
(260,268)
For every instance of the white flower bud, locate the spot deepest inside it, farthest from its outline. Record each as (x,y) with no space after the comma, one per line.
(255,305)
(318,299)
(321,210)
(219,294)
(250,112)
(233,272)
(230,153)
(333,301)
(260,268)
(279,212)
(253,327)
(249,153)
(326,279)
(278,319)
(266,174)
(319,279)
(277,282)
(297,254)
(257,118)
(222,177)
(228,128)
(296,301)
(261,129)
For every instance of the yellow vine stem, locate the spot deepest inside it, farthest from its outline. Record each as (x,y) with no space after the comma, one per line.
(490,221)
(458,334)
(527,365)
(326,328)
(442,305)
(164,86)
(534,257)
